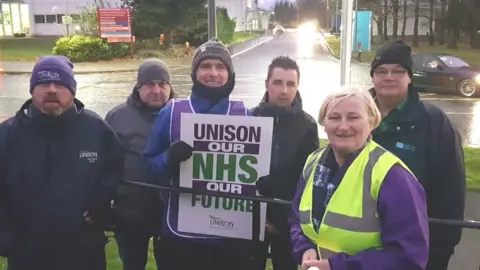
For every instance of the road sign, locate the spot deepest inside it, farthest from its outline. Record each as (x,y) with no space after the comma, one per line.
(114,22)
(363,30)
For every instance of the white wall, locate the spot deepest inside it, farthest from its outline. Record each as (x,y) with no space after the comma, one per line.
(236,10)
(52,7)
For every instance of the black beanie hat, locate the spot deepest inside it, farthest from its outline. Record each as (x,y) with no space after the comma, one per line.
(393,52)
(152,69)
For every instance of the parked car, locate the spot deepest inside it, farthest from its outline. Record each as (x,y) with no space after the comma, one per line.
(445,73)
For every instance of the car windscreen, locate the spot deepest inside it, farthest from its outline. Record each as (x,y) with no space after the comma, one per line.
(453,61)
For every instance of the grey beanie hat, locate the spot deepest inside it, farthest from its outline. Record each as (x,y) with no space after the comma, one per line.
(152,69)
(212,49)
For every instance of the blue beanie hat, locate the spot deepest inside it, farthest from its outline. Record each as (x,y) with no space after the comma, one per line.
(58,69)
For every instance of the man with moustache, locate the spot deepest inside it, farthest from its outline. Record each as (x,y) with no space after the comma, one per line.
(295,137)
(138,210)
(423,137)
(213,79)
(59,167)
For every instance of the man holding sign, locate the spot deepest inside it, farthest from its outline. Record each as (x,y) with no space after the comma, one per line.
(213,80)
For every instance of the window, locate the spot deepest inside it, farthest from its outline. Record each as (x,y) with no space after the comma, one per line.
(417,62)
(430,62)
(51,18)
(453,61)
(39,18)
(59,18)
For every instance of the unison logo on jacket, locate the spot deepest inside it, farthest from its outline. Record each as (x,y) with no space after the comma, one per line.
(91,156)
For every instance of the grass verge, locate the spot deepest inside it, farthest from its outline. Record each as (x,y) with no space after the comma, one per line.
(239,37)
(25,49)
(464,51)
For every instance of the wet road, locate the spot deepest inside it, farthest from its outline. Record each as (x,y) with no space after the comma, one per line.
(319,76)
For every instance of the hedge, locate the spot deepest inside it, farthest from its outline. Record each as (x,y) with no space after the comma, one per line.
(84,48)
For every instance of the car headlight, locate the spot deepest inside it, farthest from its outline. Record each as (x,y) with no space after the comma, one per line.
(477,79)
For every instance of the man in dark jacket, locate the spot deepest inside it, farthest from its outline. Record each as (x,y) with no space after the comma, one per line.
(424,138)
(60,165)
(295,136)
(138,210)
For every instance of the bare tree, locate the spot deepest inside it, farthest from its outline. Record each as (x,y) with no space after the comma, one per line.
(396,8)
(443,21)
(405,18)
(415,24)
(454,23)
(386,12)
(473,23)
(431,37)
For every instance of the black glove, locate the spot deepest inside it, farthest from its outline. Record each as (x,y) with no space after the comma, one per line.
(264,186)
(180,151)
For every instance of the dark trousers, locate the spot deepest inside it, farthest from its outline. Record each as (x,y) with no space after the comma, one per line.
(87,254)
(133,248)
(183,254)
(280,250)
(438,261)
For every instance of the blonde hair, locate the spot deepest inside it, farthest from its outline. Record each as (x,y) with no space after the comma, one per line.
(351,91)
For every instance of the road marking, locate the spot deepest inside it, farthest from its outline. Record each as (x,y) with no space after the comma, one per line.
(459,113)
(248,49)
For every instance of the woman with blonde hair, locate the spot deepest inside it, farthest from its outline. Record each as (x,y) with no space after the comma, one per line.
(357,206)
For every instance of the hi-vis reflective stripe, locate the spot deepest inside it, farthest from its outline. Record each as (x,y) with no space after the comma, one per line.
(368,223)
(312,163)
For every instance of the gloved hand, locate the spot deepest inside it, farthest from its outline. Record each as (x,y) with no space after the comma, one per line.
(180,151)
(264,187)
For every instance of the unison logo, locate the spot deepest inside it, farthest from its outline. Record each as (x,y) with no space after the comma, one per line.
(219,223)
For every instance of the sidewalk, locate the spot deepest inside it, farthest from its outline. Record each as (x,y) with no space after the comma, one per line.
(127,65)
(18,68)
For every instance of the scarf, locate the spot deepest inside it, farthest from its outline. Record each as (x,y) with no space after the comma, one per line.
(327,177)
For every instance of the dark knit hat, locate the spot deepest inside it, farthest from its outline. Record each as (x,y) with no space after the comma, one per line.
(212,49)
(152,69)
(393,52)
(58,69)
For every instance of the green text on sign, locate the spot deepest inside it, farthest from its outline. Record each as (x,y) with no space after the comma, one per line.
(212,166)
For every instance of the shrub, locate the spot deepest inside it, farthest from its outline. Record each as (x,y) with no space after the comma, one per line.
(225,26)
(174,51)
(84,48)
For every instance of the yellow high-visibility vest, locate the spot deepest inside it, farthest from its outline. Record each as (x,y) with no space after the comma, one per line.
(350,223)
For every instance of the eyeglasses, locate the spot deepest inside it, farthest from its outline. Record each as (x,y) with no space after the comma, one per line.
(396,73)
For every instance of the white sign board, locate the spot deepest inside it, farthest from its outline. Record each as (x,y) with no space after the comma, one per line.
(230,154)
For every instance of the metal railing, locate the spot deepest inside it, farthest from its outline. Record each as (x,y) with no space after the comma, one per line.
(468,224)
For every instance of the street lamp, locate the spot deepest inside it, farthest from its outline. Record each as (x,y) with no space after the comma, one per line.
(346,42)
(212,20)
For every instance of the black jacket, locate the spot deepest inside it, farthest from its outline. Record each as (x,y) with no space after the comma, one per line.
(136,208)
(53,170)
(423,137)
(295,137)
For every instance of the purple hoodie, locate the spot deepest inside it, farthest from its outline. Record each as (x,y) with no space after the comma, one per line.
(404,226)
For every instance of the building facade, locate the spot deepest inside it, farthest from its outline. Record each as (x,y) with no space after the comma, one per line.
(45,17)
(42,17)
(246,14)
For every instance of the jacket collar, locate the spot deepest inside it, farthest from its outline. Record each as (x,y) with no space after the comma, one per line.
(267,109)
(407,111)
